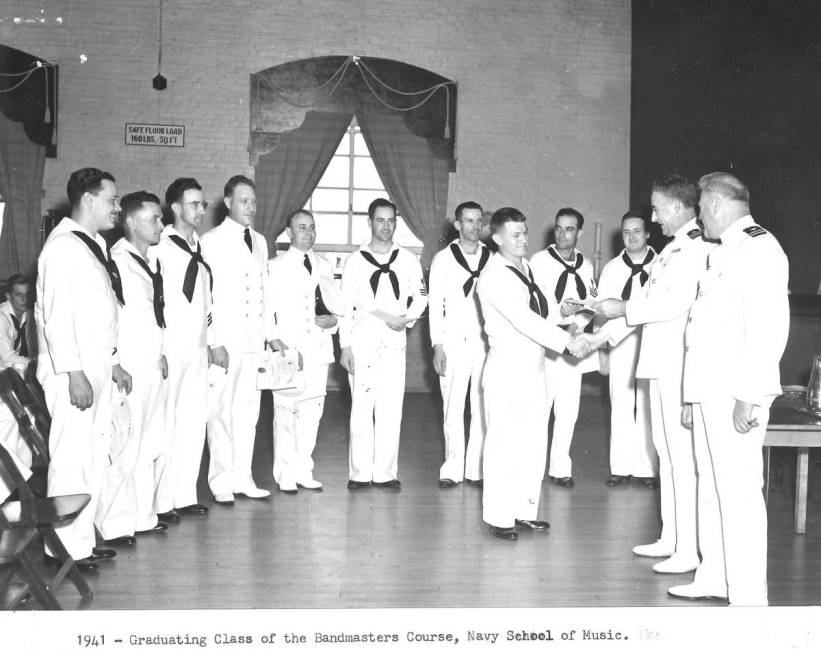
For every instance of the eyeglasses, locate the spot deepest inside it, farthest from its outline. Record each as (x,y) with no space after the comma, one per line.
(196,204)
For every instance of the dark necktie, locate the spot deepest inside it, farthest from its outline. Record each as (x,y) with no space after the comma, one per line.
(474,274)
(383,269)
(109,265)
(568,270)
(20,342)
(319,305)
(307,262)
(156,282)
(247,238)
(190,279)
(538,301)
(635,268)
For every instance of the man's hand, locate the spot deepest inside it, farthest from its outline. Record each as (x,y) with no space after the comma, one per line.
(277,345)
(396,322)
(569,307)
(346,359)
(325,321)
(164,367)
(440,359)
(743,419)
(609,308)
(687,415)
(579,346)
(122,378)
(79,390)
(220,357)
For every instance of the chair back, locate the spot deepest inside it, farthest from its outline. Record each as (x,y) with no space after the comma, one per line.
(12,477)
(31,429)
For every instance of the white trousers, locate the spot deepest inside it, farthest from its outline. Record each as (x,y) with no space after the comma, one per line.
(232,424)
(677,473)
(631,442)
(127,503)
(516,441)
(78,446)
(732,516)
(186,411)
(564,384)
(465,362)
(296,421)
(377,394)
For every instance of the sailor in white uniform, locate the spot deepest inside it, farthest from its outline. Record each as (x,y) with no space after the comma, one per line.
(459,344)
(631,443)
(564,273)
(76,313)
(516,315)
(305,303)
(242,323)
(384,293)
(736,334)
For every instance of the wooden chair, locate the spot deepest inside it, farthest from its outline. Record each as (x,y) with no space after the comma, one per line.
(43,514)
(33,420)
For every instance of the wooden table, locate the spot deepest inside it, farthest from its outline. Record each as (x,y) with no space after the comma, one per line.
(792,427)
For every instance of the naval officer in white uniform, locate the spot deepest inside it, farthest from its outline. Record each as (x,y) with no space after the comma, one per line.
(736,334)
(305,303)
(384,293)
(76,313)
(519,329)
(242,323)
(459,344)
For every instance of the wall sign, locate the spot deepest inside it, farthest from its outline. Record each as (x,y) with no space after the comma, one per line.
(160,135)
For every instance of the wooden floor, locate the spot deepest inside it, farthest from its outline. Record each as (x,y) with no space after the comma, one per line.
(426,546)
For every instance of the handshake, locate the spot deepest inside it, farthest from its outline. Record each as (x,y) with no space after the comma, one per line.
(582,344)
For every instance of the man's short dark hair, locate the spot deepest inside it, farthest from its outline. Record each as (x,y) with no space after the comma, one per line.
(133,201)
(16,279)
(503,216)
(465,206)
(633,214)
(293,214)
(380,202)
(233,182)
(85,180)
(677,186)
(177,189)
(571,212)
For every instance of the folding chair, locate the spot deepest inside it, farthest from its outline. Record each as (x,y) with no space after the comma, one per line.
(17,396)
(44,514)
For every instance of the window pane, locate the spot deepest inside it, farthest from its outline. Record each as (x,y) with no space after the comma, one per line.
(365,174)
(403,236)
(344,145)
(283,237)
(330,200)
(361,231)
(331,228)
(337,174)
(363,198)
(359,146)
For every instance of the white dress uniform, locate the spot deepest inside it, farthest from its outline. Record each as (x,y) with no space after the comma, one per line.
(13,333)
(395,285)
(76,315)
(514,389)
(631,442)
(737,331)
(187,333)
(562,280)
(662,309)
(293,299)
(456,323)
(128,501)
(242,324)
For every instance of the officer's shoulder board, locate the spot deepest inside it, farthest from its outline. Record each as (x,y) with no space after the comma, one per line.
(694,233)
(755,230)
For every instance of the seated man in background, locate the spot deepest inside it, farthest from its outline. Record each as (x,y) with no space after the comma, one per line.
(15,324)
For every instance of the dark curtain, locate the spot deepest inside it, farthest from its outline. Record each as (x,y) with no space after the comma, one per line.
(286,177)
(22,163)
(414,178)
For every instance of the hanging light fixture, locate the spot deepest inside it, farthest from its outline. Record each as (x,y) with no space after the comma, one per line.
(159,82)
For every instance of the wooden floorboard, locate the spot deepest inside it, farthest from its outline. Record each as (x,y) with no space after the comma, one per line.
(426,546)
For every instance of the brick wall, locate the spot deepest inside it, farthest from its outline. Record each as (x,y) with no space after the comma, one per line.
(544,88)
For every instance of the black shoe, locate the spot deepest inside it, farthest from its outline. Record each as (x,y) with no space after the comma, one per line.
(356,484)
(388,484)
(476,483)
(197,509)
(125,540)
(102,554)
(649,483)
(507,533)
(564,482)
(533,526)
(447,483)
(84,565)
(169,517)
(615,480)
(159,527)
